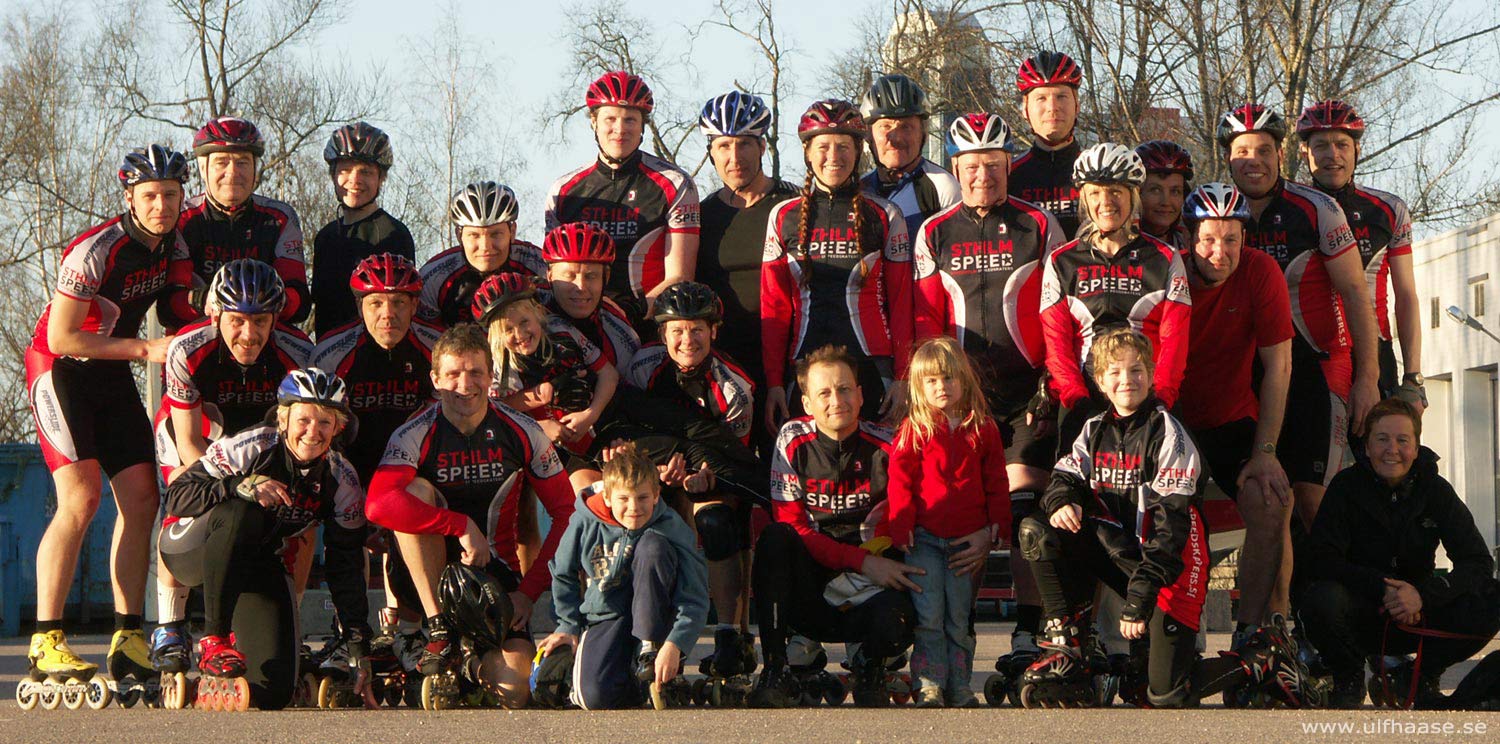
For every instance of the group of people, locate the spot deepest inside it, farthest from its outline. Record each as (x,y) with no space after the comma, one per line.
(1048,348)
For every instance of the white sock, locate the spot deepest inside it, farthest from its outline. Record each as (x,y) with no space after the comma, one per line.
(171,603)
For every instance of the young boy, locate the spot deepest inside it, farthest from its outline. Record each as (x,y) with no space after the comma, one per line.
(1122,507)
(643,597)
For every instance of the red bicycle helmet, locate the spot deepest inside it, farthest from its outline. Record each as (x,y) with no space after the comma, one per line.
(501,290)
(385,272)
(622,89)
(831,116)
(578,242)
(1048,68)
(1330,116)
(1166,156)
(228,134)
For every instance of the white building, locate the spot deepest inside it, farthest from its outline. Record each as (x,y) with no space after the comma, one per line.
(1460,361)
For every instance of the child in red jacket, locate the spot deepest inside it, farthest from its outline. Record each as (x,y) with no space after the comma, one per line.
(949,499)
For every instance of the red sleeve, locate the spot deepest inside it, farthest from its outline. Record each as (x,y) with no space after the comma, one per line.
(824,549)
(1176,323)
(1273,311)
(391,506)
(996,483)
(556,495)
(776,288)
(905,476)
(1061,332)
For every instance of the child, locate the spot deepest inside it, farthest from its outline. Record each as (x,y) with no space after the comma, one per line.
(949,500)
(1122,507)
(643,598)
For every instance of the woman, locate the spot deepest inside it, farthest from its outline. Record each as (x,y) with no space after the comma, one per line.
(837,269)
(1112,276)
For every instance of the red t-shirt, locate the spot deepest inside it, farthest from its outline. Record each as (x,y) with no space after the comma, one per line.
(1252,303)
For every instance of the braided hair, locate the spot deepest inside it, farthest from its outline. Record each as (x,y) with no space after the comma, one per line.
(804,258)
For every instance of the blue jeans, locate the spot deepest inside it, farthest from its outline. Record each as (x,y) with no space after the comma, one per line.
(943,655)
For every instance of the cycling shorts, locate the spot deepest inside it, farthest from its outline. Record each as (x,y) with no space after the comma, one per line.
(87,411)
(1225,449)
(1315,433)
(165,436)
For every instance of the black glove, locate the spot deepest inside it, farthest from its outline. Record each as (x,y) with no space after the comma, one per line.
(1042,407)
(572,391)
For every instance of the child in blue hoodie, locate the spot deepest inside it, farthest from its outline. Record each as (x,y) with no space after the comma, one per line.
(629,585)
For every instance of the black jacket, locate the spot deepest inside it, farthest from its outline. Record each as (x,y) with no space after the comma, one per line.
(1367,531)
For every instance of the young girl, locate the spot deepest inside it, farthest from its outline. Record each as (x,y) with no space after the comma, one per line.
(949,499)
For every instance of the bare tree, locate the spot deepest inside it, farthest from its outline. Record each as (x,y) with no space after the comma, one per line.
(755,20)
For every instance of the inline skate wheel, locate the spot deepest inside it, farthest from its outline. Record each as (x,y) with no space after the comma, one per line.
(658,700)
(237,695)
(834,690)
(27,694)
(1028,697)
(994,690)
(98,695)
(431,700)
(699,692)
(74,694)
(129,697)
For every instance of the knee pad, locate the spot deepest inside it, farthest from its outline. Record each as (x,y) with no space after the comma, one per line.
(1022,504)
(721,531)
(474,605)
(1038,541)
(552,678)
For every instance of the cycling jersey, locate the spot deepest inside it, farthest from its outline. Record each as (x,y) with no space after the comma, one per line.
(337,250)
(1045,178)
(1302,228)
(1382,229)
(449,282)
(1086,292)
(607,328)
(110,268)
(479,475)
(262,228)
(729,261)
(200,369)
(835,290)
(1251,305)
(1141,475)
(1177,237)
(718,389)
(979,280)
(384,386)
(639,204)
(567,361)
(826,489)
(326,491)
(919,194)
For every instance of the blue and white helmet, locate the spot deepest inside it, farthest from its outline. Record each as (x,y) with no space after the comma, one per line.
(153,163)
(1216,201)
(245,285)
(734,114)
(313,385)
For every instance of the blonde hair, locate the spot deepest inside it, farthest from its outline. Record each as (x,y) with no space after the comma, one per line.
(941,357)
(505,356)
(1088,232)
(1109,347)
(630,467)
(284,414)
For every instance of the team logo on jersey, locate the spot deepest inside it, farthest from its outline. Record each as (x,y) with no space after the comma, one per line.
(407,368)
(630,195)
(1354,215)
(1276,219)
(489,435)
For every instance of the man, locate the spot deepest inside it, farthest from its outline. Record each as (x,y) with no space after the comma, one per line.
(1239,296)
(979,281)
(1330,132)
(1048,83)
(89,415)
(1305,232)
(229,221)
(895,110)
(648,205)
(484,218)
(359,158)
(456,465)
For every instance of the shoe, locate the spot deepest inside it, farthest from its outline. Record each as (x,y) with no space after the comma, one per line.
(51,657)
(217,657)
(931,697)
(775,687)
(171,649)
(1348,691)
(869,686)
(963,697)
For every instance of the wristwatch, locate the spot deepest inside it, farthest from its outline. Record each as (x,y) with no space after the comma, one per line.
(1414,378)
(1267,447)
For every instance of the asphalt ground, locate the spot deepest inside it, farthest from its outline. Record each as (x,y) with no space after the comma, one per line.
(726,726)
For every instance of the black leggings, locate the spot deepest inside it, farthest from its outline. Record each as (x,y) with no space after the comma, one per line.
(231,552)
(1346,626)
(788,585)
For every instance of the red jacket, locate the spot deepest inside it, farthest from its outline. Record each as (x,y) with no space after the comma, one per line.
(950,485)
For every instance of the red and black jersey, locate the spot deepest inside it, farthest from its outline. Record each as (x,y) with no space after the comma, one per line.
(110,268)
(835,290)
(449,282)
(385,386)
(1086,292)
(1045,178)
(564,359)
(200,370)
(1140,473)
(979,280)
(639,204)
(608,329)
(719,389)
(262,228)
(1382,229)
(337,251)
(1302,228)
(826,488)
(480,476)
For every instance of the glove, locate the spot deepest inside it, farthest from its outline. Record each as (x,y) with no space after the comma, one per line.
(1412,393)
(1041,406)
(572,392)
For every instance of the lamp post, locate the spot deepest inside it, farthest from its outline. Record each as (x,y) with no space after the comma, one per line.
(1463,318)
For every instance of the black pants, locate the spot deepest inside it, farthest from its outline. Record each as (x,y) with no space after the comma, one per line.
(662,428)
(231,552)
(788,585)
(1346,627)
(604,667)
